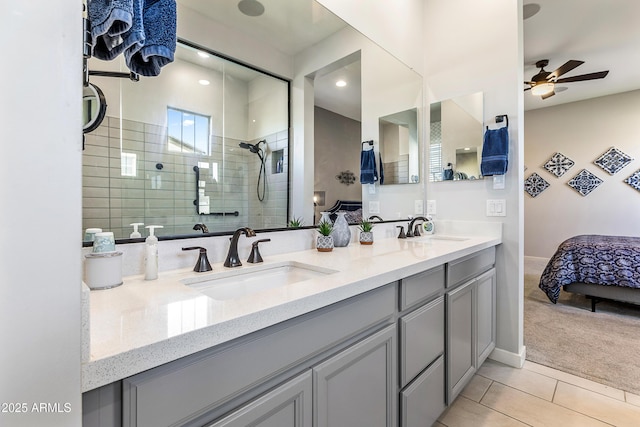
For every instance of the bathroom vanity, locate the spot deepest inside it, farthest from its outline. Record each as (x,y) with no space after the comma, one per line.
(388,336)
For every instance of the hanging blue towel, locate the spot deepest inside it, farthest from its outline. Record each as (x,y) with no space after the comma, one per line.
(368,171)
(158,19)
(495,152)
(381,169)
(110,20)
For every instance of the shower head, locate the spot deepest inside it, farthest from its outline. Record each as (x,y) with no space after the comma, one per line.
(254,148)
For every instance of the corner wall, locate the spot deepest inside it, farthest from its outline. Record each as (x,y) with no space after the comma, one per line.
(40,218)
(485,55)
(582,131)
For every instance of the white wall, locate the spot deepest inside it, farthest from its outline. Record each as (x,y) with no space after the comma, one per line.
(582,131)
(471,47)
(40,215)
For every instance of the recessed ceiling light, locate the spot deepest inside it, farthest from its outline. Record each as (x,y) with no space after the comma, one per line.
(251,7)
(528,10)
(204,82)
(202,54)
(341,83)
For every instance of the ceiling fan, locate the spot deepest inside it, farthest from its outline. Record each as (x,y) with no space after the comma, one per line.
(543,83)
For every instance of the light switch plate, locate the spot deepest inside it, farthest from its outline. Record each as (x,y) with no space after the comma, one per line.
(431,207)
(418,207)
(374,207)
(497,207)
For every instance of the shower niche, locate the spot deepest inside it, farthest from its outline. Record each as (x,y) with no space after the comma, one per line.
(277,161)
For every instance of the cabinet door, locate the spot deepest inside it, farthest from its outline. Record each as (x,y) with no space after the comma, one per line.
(422,402)
(486,314)
(461,348)
(357,387)
(289,405)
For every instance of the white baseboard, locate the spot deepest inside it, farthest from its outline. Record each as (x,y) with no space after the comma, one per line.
(509,358)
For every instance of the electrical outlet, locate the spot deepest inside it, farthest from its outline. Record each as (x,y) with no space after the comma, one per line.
(498,182)
(418,207)
(374,207)
(431,207)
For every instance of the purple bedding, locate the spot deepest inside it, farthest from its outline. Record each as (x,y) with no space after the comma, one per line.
(602,260)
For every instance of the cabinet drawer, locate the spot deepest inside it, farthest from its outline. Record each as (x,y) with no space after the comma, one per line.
(423,401)
(421,339)
(420,287)
(470,266)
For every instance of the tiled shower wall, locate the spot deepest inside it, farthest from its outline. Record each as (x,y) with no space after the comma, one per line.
(163,190)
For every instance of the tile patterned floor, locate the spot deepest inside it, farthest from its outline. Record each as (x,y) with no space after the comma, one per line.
(499,395)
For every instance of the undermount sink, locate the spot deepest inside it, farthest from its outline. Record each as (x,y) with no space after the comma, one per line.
(441,237)
(236,283)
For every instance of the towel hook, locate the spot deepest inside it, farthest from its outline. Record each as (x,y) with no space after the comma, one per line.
(500,118)
(370,142)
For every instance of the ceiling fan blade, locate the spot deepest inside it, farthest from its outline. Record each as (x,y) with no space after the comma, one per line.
(548,95)
(527,88)
(568,66)
(590,76)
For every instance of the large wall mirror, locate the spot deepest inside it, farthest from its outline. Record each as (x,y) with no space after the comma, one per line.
(455,146)
(213,140)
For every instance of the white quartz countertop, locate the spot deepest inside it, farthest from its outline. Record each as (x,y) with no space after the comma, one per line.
(144,324)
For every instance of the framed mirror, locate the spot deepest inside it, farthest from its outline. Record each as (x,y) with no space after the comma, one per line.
(285,45)
(400,147)
(455,145)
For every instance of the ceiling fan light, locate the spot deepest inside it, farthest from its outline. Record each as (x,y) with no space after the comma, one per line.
(542,89)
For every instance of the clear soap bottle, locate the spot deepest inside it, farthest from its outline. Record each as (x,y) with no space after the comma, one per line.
(151,254)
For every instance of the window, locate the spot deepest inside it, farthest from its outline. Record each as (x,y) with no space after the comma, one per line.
(435,152)
(188,132)
(128,164)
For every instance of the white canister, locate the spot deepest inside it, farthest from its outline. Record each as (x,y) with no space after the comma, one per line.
(103,270)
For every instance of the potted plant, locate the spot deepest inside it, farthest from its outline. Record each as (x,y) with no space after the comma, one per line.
(295,222)
(366,235)
(324,242)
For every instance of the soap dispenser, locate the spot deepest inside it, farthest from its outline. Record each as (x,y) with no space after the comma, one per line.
(136,234)
(428,226)
(151,254)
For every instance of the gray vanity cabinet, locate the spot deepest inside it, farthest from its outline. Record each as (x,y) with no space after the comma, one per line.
(471,323)
(422,345)
(356,386)
(289,405)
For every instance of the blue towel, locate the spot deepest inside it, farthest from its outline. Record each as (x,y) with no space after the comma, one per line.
(368,172)
(112,27)
(495,152)
(159,23)
(381,169)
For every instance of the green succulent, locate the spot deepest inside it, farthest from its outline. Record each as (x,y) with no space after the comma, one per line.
(325,228)
(296,222)
(366,226)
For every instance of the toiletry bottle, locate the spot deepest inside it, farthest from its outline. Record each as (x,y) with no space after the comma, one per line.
(135,234)
(151,254)
(428,226)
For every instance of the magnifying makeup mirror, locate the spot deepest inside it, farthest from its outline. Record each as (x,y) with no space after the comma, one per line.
(94,107)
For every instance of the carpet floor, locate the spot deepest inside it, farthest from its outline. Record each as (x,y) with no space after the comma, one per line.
(602,346)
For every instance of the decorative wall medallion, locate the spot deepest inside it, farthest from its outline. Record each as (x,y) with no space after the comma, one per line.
(346,177)
(558,164)
(585,182)
(535,184)
(634,180)
(613,160)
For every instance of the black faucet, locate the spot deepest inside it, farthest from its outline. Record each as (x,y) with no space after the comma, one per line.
(372,217)
(410,230)
(201,227)
(232,257)
(203,262)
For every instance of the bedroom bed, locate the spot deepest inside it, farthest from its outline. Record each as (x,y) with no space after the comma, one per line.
(353,209)
(599,267)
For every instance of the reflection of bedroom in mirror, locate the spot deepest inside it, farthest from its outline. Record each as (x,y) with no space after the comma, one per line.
(337,136)
(455,148)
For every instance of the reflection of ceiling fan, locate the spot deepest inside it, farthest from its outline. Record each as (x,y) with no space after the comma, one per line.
(543,83)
